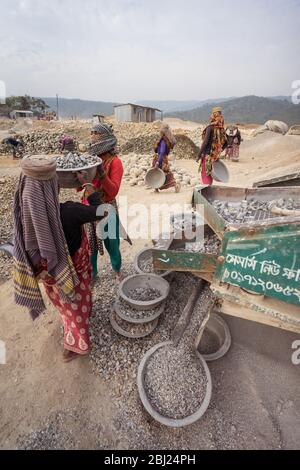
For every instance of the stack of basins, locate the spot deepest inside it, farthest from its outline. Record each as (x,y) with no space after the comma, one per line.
(141,301)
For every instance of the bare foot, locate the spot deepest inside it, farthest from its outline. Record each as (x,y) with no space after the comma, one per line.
(69,356)
(119,276)
(177,187)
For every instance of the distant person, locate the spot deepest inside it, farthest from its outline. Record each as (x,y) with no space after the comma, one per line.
(234,139)
(214,142)
(15,145)
(67,144)
(164,146)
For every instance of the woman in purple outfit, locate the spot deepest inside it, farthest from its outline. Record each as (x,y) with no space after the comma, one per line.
(164,146)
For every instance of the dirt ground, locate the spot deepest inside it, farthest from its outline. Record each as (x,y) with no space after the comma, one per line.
(45,403)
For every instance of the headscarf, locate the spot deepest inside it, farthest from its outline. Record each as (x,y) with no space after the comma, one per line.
(219,138)
(217,119)
(168,137)
(106,141)
(38,235)
(166,132)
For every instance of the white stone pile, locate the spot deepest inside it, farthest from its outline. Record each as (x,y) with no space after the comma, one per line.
(136,167)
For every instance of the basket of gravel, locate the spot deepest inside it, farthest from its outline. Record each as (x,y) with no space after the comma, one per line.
(130,330)
(132,315)
(174,384)
(143,263)
(216,339)
(144,291)
(68,165)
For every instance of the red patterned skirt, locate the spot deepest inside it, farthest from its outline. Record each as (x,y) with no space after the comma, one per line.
(75,316)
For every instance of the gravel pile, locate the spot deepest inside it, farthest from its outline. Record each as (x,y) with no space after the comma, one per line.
(175,381)
(6,264)
(201,310)
(136,167)
(52,436)
(210,245)
(115,355)
(41,141)
(73,160)
(134,314)
(185,147)
(146,265)
(144,294)
(7,190)
(252,209)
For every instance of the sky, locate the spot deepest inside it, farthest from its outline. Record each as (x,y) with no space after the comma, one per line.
(131,50)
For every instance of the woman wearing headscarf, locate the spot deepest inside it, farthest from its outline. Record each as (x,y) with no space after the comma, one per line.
(234,139)
(164,146)
(50,245)
(214,142)
(107,182)
(67,144)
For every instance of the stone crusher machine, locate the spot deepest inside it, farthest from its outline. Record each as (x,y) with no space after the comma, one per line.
(255,274)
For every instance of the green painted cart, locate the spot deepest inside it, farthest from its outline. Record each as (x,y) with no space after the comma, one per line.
(256,273)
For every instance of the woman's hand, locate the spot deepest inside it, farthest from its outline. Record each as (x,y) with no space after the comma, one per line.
(100,171)
(82,177)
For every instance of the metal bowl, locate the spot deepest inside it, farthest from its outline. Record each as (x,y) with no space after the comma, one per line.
(67,178)
(215,327)
(220,172)
(145,281)
(175,423)
(155,178)
(142,255)
(114,323)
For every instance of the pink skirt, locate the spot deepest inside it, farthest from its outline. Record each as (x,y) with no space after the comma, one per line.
(205,179)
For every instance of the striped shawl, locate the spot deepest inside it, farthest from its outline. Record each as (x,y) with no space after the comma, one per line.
(38,235)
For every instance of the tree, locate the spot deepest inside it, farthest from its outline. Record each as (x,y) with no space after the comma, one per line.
(26,103)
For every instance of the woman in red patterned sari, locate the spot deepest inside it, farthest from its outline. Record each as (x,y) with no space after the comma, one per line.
(50,245)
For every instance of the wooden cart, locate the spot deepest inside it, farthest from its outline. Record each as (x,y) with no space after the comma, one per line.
(256,273)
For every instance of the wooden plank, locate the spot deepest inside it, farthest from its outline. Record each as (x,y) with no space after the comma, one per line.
(216,223)
(208,277)
(184,319)
(236,310)
(237,302)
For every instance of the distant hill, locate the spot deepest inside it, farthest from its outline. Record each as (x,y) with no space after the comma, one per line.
(246,109)
(80,108)
(169,106)
(85,109)
(249,109)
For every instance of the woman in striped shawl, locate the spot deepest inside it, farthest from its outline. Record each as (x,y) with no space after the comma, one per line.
(50,246)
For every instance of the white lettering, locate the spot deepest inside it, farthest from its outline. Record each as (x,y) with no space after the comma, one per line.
(296,354)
